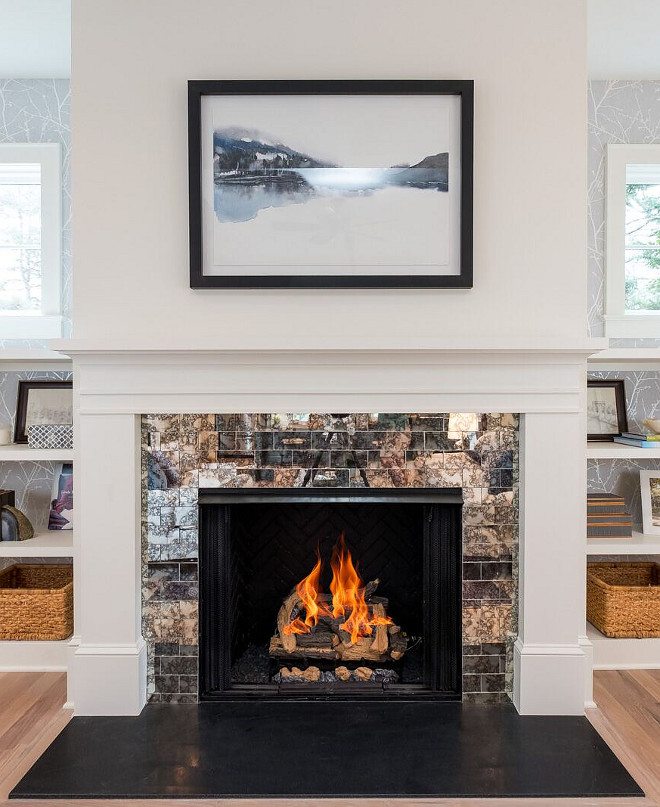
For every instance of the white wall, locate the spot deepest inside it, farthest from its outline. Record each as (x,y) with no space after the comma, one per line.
(623,39)
(131,62)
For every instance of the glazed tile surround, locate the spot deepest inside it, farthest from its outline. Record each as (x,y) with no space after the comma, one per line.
(182,453)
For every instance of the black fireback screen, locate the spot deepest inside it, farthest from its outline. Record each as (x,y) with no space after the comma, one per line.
(284,572)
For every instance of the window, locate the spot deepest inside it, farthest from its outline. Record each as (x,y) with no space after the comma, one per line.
(30,237)
(632,292)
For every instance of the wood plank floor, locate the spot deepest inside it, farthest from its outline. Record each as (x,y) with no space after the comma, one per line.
(628,717)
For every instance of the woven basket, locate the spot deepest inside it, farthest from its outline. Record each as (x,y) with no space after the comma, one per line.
(623,599)
(36,602)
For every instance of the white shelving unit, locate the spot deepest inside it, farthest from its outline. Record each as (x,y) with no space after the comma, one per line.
(623,654)
(11,360)
(51,544)
(21,452)
(608,450)
(639,544)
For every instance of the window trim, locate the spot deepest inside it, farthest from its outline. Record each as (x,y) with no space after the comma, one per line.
(46,324)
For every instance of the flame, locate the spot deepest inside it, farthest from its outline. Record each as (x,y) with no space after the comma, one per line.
(348,598)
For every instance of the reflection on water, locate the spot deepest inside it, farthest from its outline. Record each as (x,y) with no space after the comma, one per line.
(240,196)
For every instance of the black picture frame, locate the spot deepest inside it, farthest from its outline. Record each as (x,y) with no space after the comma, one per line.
(462,88)
(24,389)
(618,385)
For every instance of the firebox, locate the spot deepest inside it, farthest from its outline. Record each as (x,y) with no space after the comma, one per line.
(330,593)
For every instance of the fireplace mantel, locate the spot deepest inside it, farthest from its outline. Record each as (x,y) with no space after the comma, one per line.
(116,382)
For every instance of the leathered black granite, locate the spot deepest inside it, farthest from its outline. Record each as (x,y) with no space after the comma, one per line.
(318,749)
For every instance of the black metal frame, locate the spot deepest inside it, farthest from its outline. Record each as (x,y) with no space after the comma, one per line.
(197,89)
(619,387)
(442,591)
(24,389)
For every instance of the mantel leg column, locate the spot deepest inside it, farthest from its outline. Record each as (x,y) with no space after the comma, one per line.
(109,663)
(549,663)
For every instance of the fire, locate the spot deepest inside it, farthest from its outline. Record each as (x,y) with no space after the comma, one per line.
(348,598)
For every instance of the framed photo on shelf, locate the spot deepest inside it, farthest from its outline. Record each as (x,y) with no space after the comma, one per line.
(42,401)
(650,489)
(606,409)
(330,184)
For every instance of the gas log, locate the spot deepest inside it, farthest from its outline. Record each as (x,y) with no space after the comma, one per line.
(328,639)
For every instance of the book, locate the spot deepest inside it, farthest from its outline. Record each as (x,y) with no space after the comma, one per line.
(609,518)
(626,441)
(654,438)
(619,531)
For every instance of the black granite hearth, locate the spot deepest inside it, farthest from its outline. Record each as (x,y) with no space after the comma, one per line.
(295,749)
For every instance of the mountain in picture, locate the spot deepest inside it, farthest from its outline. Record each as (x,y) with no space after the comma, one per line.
(253,172)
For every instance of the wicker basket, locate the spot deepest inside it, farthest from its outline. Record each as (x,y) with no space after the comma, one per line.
(36,602)
(623,599)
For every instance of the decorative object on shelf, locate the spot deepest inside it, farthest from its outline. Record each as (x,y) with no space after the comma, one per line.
(7,497)
(649,482)
(654,426)
(16,525)
(330,184)
(61,509)
(36,602)
(635,440)
(607,517)
(623,599)
(40,402)
(606,409)
(5,434)
(50,435)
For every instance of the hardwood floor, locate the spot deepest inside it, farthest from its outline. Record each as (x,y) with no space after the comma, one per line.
(628,717)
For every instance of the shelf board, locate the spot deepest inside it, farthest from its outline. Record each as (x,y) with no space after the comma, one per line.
(623,654)
(639,544)
(37,359)
(642,357)
(33,656)
(50,544)
(21,452)
(608,450)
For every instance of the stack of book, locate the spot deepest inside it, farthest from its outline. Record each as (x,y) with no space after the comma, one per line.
(607,517)
(639,440)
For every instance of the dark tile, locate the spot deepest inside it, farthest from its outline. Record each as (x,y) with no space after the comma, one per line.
(472,683)
(497,571)
(331,478)
(167,683)
(188,683)
(188,650)
(349,459)
(233,423)
(492,682)
(162,649)
(471,649)
(266,458)
(295,441)
(263,441)
(181,591)
(234,441)
(260,475)
(189,571)
(486,698)
(333,441)
(416,441)
(438,441)
(499,648)
(425,423)
(367,441)
(481,664)
(311,459)
(388,421)
(481,590)
(178,665)
(472,571)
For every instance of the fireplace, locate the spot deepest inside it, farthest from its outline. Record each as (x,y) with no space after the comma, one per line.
(326,592)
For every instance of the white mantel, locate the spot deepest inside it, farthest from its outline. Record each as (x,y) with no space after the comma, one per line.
(544,380)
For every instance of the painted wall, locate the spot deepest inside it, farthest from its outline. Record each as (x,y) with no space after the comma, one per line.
(39,111)
(131,62)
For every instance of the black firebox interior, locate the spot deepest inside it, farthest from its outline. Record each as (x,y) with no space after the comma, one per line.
(256,545)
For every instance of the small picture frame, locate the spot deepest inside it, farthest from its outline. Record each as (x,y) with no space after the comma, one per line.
(606,409)
(650,488)
(42,401)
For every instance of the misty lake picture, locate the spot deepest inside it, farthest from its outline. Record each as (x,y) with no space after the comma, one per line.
(331,184)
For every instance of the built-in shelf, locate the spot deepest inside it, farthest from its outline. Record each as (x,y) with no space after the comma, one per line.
(17,656)
(639,544)
(626,358)
(50,544)
(21,452)
(623,654)
(608,450)
(27,359)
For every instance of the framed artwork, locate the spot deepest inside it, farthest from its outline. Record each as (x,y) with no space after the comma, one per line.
(42,401)
(61,505)
(650,490)
(606,409)
(330,184)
